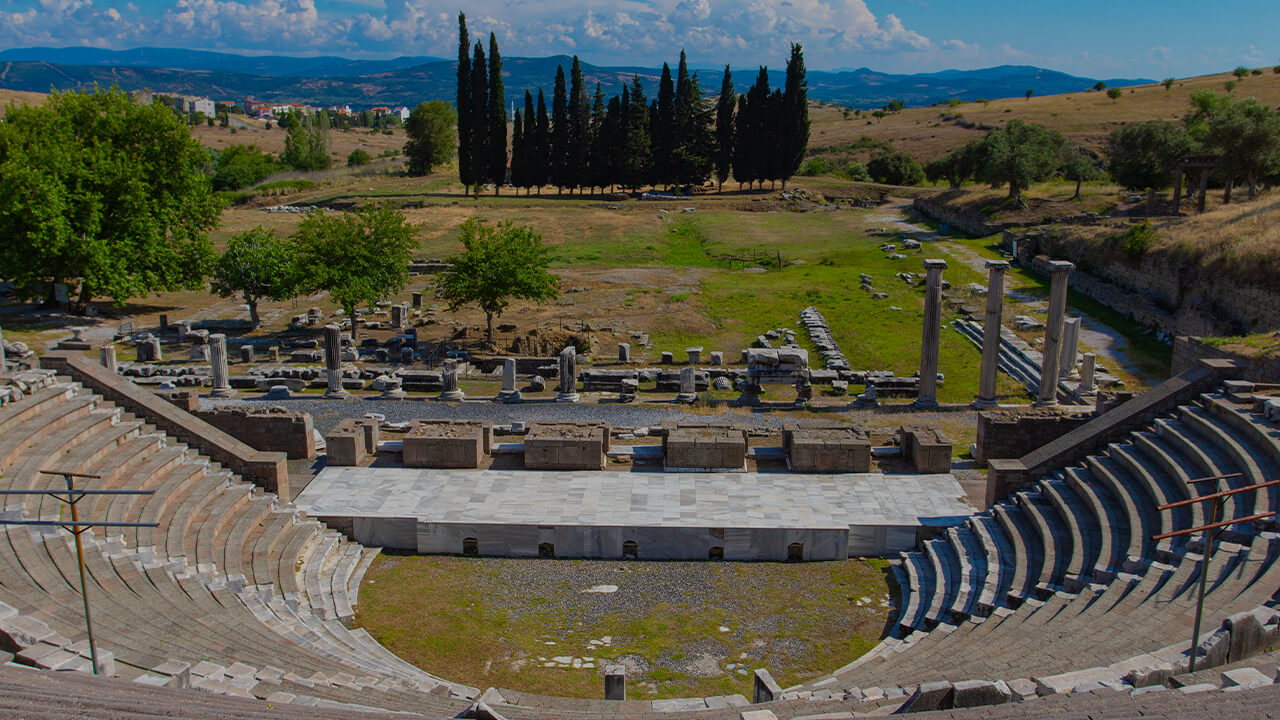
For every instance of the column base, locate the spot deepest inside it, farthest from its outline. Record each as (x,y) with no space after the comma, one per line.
(509,396)
(453,396)
(393,395)
(924,404)
(983,404)
(686,398)
(1045,403)
(338,394)
(225,392)
(568,397)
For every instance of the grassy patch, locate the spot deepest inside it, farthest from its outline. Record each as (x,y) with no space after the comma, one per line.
(688,627)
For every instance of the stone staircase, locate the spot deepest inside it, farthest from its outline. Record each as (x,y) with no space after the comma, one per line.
(1065,575)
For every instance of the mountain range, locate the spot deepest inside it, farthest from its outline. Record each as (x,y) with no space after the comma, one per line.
(330,80)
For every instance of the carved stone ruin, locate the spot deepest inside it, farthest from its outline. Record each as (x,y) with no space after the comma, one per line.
(930,335)
(991,334)
(451,392)
(218,361)
(1088,366)
(509,393)
(200,346)
(447,443)
(1052,349)
(688,385)
(705,447)
(350,441)
(333,362)
(766,366)
(106,355)
(566,446)
(391,389)
(624,352)
(246,354)
(1070,348)
(695,355)
(397,316)
(568,392)
(826,447)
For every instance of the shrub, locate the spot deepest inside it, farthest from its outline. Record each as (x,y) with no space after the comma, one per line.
(895,168)
(1138,239)
(1255,72)
(357,158)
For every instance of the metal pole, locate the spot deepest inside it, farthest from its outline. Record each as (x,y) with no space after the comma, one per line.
(84,586)
(1207,550)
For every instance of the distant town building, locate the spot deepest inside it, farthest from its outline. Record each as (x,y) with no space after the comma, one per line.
(402,112)
(340,109)
(193,104)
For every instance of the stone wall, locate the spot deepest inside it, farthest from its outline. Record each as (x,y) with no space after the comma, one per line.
(273,429)
(1012,434)
(1189,351)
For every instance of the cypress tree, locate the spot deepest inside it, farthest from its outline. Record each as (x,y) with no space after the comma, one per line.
(795,111)
(579,128)
(542,145)
(479,116)
(742,147)
(774,122)
(724,128)
(597,165)
(463,104)
(529,154)
(637,158)
(518,168)
(559,133)
(495,158)
(692,146)
(663,128)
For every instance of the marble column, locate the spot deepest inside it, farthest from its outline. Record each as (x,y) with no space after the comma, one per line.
(991,334)
(624,353)
(218,359)
(397,316)
(568,376)
(246,354)
(509,393)
(1070,347)
(931,335)
(153,350)
(417,299)
(1088,366)
(332,362)
(106,356)
(1052,349)
(450,391)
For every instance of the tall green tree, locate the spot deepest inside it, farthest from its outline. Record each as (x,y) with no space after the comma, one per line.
(1080,167)
(1019,154)
(498,264)
(958,166)
(358,257)
(466,140)
(239,166)
(105,196)
(558,164)
(541,154)
(724,128)
(579,111)
(795,115)
(636,152)
(496,110)
(1247,137)
(518,168)
(1143,156)
(599,150)
(662,128)
(743,147)
(479,119)
(307,143)
(429,130)
(693,142)
(257,265)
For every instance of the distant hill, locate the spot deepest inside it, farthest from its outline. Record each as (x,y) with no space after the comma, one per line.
(410,80)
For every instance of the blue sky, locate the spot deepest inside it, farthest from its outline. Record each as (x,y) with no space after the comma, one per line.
(1120,38)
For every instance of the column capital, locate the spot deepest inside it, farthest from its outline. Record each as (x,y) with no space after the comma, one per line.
(1060,266)
(1000,265)
(935,264)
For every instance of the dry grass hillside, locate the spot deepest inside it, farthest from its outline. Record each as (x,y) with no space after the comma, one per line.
(20,97)
(1086,118)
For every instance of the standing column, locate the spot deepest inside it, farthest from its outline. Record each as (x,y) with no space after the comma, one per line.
(106,355)
(154,353)
(568,375)
(1052,348)
(449,389)
(218,359)
(1070,347)
(333,362)
(991,334)
(928,396)
(1088,366)
(509,393)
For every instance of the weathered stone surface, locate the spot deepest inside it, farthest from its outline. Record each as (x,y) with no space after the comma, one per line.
(351,440)
(566,446)
(829,448)
(764,688)
(930,696)
(928,450)
(447,444)
(973,693)
(705,447)
(1244,678)
(615,682)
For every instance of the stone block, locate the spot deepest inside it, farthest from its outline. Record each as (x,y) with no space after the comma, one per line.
(974,693)
(926,448)
(1244,678)
(935,695)
(831,448)
(615,682)
(566,446)
(1250,635)
(757,715)
(764,688)
(347,443)
(705,447)
(447,444)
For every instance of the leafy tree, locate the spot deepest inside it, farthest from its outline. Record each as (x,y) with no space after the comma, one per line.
(497,265)
(1241,72)
(724,128)
(1168,83)
(1030,93)
(1114,94)
(1020,154)
(306,144)
(358,257)
(895,168)
(358,158)
(1080,167)
(1230,86)
(239,166)
(1247,135)
(1144,155)
(257,265)
(104,194)
(894,106)
(1099,86)
(496,132)
(956,166)
(429,130)
(1205,106)
(466,125)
